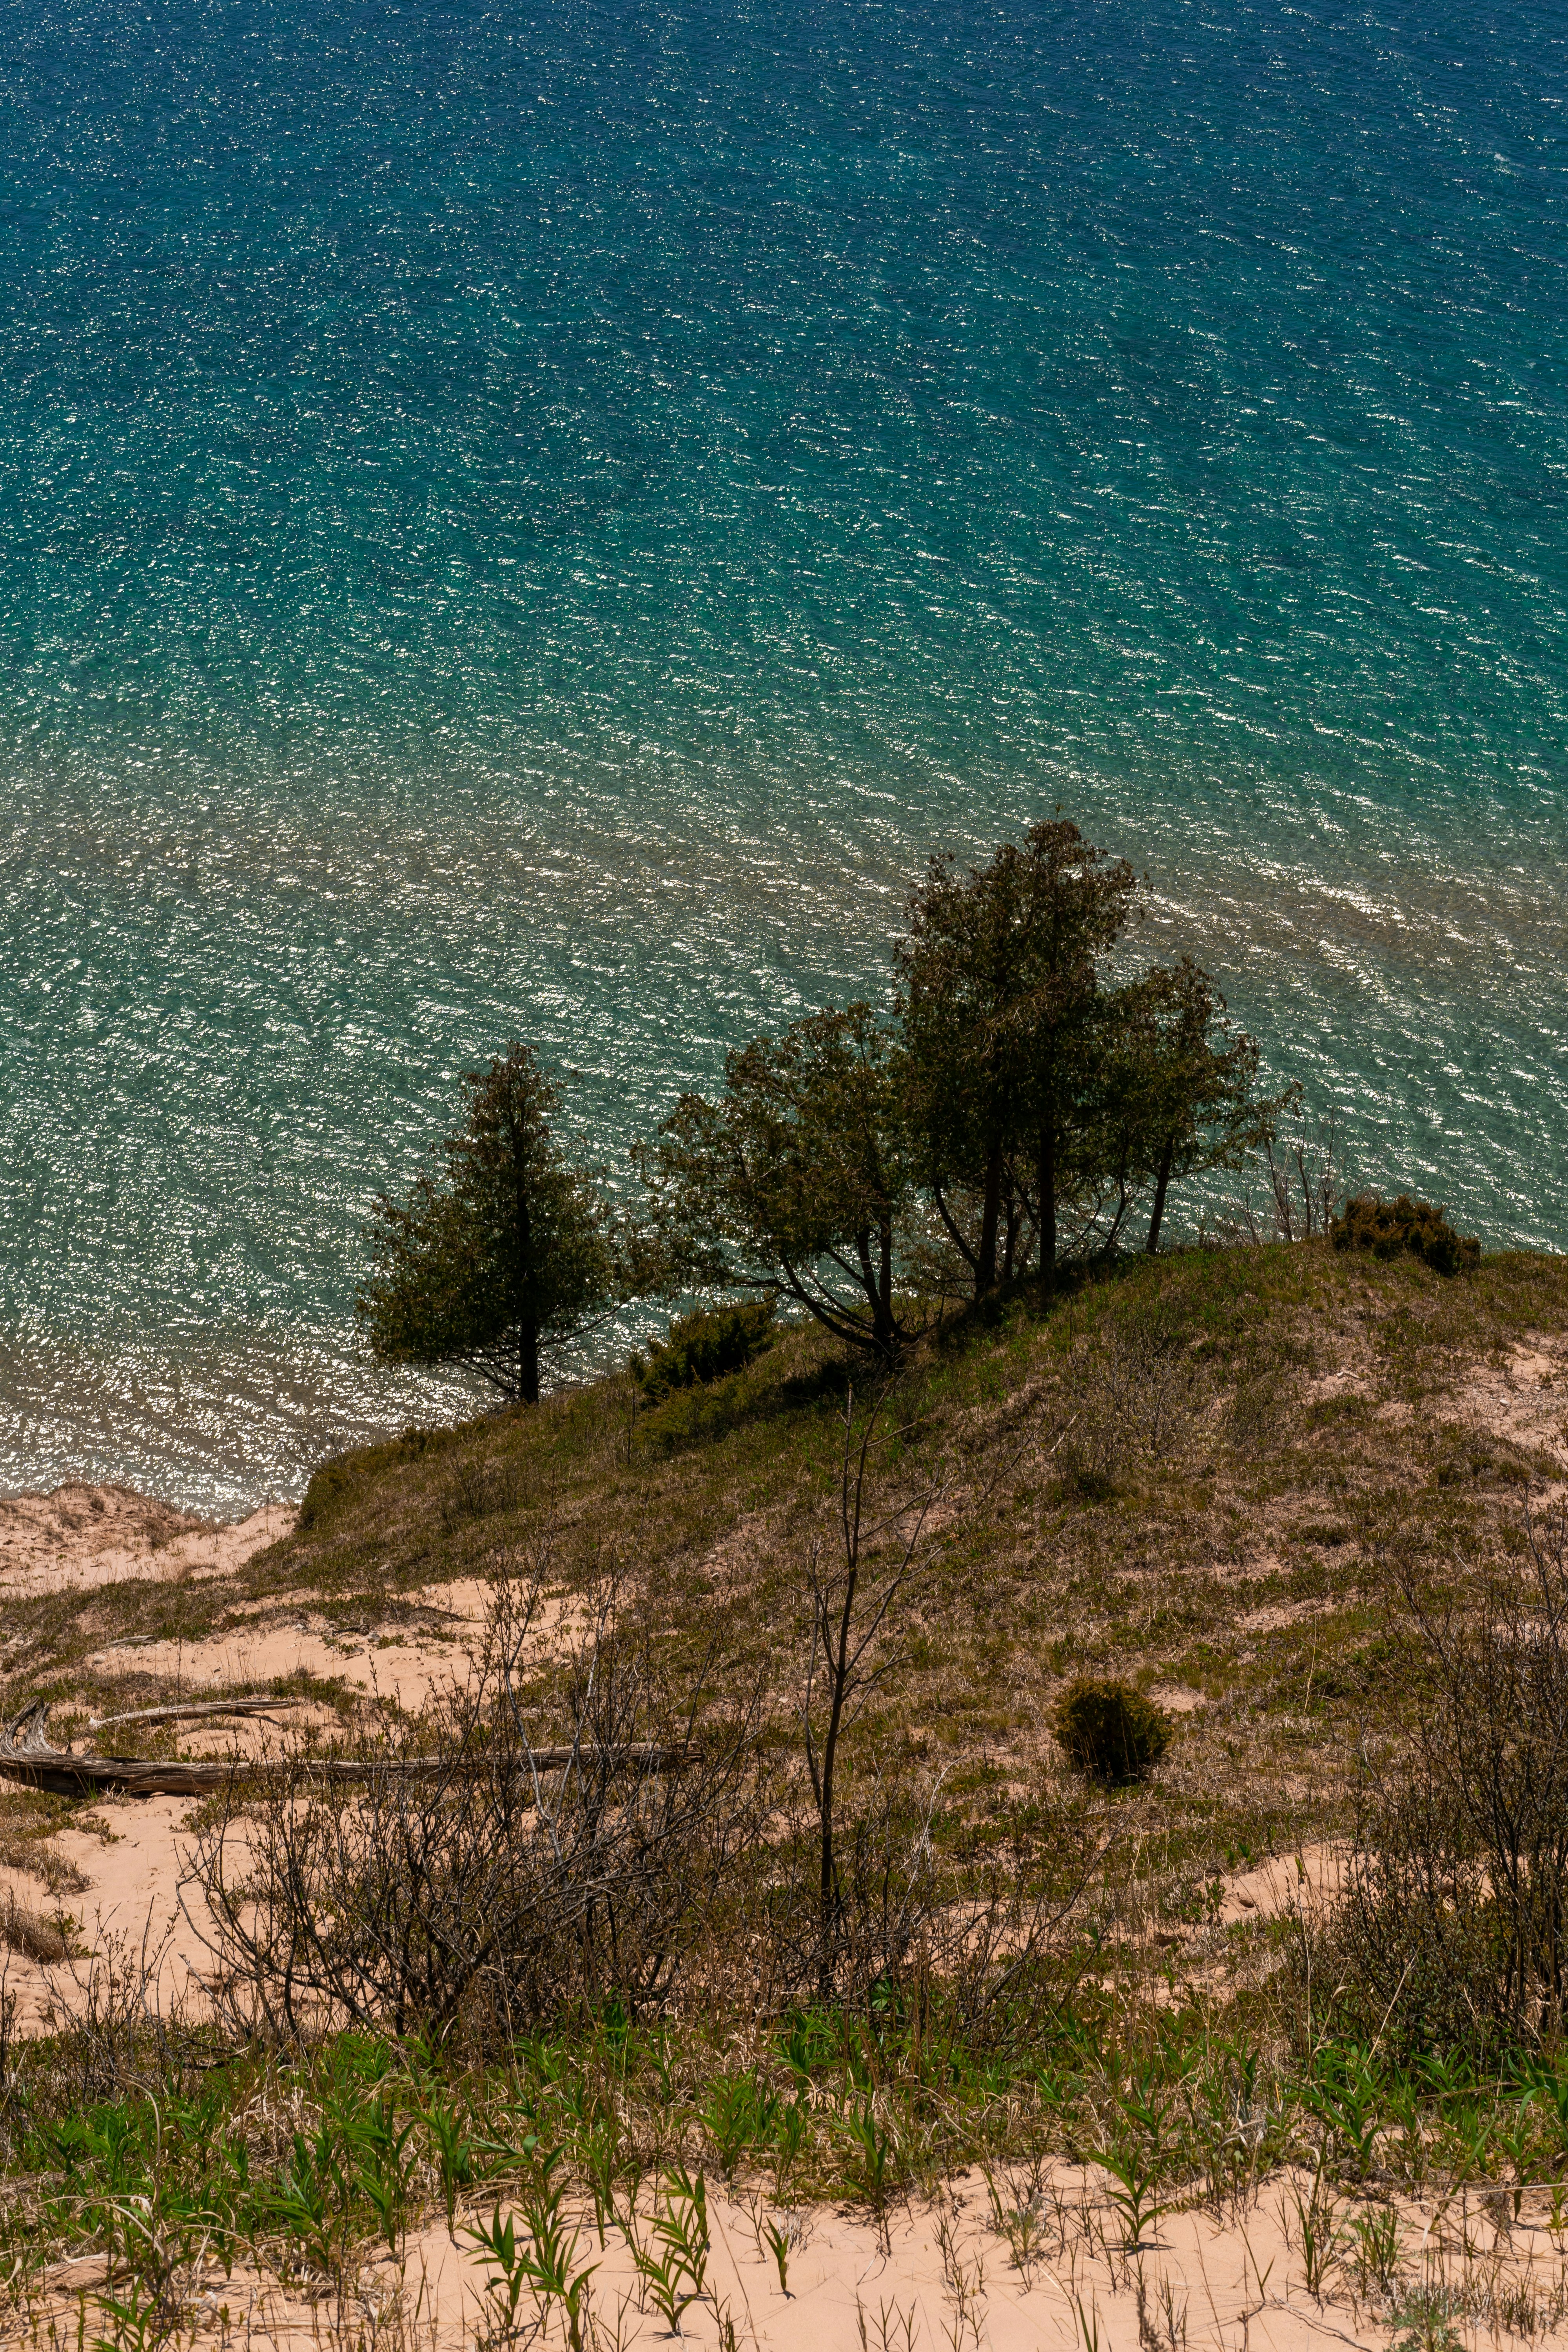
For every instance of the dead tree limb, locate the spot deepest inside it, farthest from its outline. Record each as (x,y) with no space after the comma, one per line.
(194,1711)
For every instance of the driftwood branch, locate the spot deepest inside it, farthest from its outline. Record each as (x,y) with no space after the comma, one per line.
(194,1711)
(28,1753)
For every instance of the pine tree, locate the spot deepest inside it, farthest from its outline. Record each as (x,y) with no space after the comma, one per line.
(502,1250)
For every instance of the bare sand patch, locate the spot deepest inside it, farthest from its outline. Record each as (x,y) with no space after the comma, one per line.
(131,1911)
(80,1537)
(939,2275)
(1277,1614)
(139,1886)
(1287,1884)
(404,1667)
(1177,1699)
(1523,1400)
(385,1656)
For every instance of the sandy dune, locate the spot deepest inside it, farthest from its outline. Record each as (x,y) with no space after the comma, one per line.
(939,2275)
(80,1537)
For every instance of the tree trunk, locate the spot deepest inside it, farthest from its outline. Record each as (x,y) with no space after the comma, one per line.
(1012,1225)
(827,1883)
(991,1218)
(523,1272)
(1122,1203)
(1160,1188)
(953,1230)
(885,1328)
(876,1280)
(1047,1187)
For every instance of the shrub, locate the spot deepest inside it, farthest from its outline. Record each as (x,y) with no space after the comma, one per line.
(1110,1730)
(1454,1927)
(1389,1228)
(705,1347)
(483,1868)
(331,1487)
(703,1414)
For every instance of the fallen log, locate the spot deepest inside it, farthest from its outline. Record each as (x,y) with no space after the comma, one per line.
(27,1754)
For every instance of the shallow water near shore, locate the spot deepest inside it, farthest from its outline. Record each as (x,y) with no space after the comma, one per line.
(540,522)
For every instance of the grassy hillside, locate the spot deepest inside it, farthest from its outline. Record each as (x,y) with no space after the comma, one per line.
(1201,1473)
(1219,1475)
(1197,1472)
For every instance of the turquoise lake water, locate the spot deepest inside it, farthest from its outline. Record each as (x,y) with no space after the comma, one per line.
(539,519)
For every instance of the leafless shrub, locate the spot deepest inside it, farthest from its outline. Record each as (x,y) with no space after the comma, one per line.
(857,1898)
(1304,1187)
(128,2020)
(922,1915)
(501,1881)
(855,1586)
(1307,1179)
(575,1822)
(1455,1924)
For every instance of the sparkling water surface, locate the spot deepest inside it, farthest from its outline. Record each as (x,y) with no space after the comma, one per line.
(539,519)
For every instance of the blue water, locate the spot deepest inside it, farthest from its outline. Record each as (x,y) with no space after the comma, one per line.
(541,519)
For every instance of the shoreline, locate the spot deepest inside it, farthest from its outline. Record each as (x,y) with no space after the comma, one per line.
(78,1536)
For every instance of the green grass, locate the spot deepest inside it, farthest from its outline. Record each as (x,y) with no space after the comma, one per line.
(298,2167)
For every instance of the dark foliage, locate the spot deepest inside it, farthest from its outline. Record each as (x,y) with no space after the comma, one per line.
(1111,1731)
(504,1251)
(795,1180)
(1389,1228)
(1175,1092)
(1000,1000)
(1044,1105)
(704,1347)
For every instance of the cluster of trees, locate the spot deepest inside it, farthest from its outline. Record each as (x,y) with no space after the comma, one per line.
(1018,1103)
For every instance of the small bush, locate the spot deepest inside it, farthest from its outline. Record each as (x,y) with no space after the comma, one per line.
(1110,1730)
(700,1415)
(704,1347)
(1389,1228)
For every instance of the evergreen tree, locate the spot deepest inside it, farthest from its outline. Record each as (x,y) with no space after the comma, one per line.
(999,991)
(499,1252)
